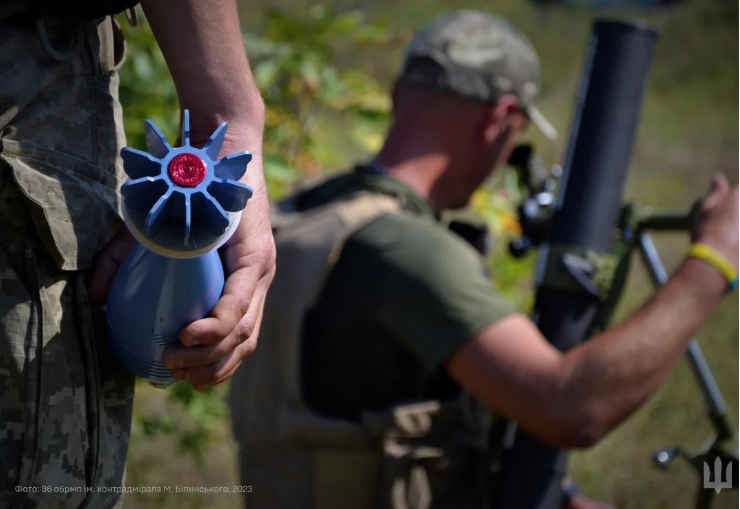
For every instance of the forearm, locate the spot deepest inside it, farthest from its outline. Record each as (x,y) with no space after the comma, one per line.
(608,377)
(202,45)
(574,399)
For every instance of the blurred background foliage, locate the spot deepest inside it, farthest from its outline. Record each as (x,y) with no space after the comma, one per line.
(294,62)
(324,69)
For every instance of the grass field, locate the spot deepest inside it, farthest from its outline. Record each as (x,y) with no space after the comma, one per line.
(689,130)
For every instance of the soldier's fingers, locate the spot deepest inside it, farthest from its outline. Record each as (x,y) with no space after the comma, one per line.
(228,311)
(243,350)
(717,191)
(181,356)
(204,376)
(106,265)
(228,374)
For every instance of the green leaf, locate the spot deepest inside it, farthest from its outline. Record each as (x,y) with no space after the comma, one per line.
(142,66)
(265,74)
(258,47)
(310,73)
(278,169)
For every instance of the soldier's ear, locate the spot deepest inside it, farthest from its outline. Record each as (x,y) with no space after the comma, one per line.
(497,116)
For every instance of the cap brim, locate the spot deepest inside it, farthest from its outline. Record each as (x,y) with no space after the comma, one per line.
(539,120)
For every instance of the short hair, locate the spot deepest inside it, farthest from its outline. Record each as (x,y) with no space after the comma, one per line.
(423,79)
(423,72)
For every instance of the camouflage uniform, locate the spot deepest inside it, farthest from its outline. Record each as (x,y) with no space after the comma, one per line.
(65,404)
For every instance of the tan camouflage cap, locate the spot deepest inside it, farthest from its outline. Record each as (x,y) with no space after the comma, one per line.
(482,56)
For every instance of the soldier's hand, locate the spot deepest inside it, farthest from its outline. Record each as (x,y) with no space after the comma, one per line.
(717,222)
(107,262)
(212,348)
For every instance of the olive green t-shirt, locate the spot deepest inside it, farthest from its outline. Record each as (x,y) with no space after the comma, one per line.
(404,295)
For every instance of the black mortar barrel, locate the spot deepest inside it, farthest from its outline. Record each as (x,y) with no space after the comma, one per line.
(603,130)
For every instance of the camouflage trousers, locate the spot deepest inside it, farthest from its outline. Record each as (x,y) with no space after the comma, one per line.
(65,403)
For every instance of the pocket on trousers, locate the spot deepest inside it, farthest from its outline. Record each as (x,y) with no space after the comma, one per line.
(72,203)
(112,50)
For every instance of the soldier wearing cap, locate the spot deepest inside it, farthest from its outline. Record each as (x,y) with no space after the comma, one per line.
(386,358)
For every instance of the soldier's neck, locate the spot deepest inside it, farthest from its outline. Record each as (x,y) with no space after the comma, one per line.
(417,167)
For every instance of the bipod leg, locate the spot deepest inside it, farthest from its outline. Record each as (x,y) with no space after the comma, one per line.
(718,414)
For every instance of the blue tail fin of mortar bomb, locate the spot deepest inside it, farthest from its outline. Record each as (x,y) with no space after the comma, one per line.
(181,204)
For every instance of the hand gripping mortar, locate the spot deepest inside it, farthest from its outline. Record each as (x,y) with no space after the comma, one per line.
(181,204)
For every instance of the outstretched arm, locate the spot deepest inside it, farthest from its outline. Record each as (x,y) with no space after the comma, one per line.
(574,399)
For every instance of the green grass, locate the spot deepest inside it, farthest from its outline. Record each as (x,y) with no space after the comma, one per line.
(689,130)
(166,459)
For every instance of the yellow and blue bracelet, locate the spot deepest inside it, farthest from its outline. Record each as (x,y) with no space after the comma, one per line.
(716,260)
